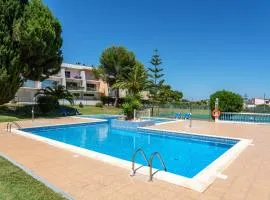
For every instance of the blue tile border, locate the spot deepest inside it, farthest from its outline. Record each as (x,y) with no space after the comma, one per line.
(61,126)
(229,141)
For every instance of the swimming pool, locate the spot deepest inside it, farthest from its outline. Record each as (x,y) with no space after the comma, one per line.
(183,154)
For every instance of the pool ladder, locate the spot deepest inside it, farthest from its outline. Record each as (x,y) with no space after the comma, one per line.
(149,163)
(9,125)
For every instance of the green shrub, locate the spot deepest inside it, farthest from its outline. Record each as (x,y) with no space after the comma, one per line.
(108,100)
(104,99)
(81,105)
(228,101)
(99,104)
(131,103)
(47,103)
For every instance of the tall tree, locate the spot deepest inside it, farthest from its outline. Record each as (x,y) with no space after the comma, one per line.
(30,42)
(99,72)
(155,73)
(10,80)
(116,62)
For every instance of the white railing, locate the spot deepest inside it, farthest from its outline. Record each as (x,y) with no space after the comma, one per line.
(245,117)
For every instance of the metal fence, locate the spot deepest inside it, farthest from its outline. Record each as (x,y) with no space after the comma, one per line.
(245,117)
(201,112)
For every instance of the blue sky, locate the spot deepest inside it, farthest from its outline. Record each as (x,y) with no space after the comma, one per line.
(205,45)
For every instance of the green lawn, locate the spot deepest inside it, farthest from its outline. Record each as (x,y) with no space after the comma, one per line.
(5,118)
(89,110)
(196,113)
(24,112)
(15,184)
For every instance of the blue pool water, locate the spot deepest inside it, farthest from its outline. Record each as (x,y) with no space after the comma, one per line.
(184,154)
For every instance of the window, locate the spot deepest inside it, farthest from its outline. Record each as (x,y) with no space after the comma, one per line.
(72,86)
(91,87)
(29,83)
(67,74)
(89,95)
(49,83)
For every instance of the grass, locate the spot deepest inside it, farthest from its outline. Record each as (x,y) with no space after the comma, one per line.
(89,110)
(15,184)
(5,118)
(8,114)
(196,113)
(24,112)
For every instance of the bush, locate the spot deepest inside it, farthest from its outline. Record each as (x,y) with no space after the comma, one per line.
(228,101)
(19,110)
(99,104)
(131,103)
(104,99)
(81,105)
(108,100)
(47,103)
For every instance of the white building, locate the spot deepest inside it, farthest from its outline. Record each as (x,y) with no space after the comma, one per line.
(78,79)
(260,101)
(251,103)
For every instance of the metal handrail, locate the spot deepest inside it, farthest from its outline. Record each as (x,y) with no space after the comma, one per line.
(151,164)
(133,160)
(9,125)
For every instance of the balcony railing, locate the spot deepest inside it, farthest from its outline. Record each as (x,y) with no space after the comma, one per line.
(74,88)
(91,89)
(74,77)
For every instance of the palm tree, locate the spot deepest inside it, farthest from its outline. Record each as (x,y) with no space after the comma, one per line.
(58,92)
(99,73)
(136,80)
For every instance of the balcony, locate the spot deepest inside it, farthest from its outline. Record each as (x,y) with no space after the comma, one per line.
(73,77)
(91,89)
(74,88)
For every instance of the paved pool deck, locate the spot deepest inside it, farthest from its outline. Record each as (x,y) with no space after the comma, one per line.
(85,178)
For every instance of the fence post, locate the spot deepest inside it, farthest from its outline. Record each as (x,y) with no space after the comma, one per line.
(134,114)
